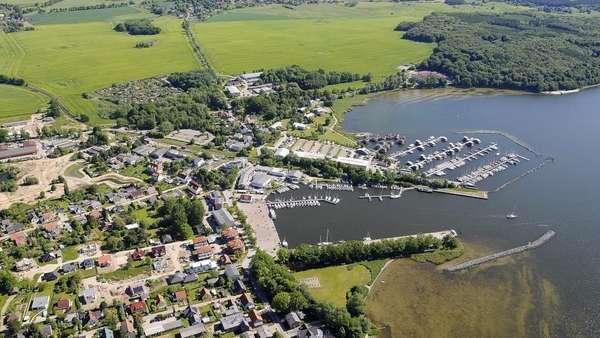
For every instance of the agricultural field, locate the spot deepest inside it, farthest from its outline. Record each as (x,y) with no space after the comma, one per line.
(18,103)
(68,60)
(360,39)
(91,15)
(335,281)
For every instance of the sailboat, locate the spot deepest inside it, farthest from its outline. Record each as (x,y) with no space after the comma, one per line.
(327,242)
(512,215)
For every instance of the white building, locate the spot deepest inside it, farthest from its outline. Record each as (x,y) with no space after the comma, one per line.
(282,152)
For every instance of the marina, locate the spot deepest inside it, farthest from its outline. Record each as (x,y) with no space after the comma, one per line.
(310,201)
(332,186)
(490,169)
(458,162)
(478,261)
(392,195)
(419,145)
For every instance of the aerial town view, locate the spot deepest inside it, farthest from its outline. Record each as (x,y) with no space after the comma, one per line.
(299,168)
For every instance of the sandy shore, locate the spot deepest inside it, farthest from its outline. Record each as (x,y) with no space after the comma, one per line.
(267,237)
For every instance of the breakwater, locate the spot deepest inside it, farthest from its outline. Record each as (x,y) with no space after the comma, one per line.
(477,261)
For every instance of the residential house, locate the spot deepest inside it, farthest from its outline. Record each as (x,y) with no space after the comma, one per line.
(256,318)
(137,291)
(49,276)
(309,331)
(232,273)
(63,304)
(239,286)
(127,329)
(204,295)
(40,303)
(46,331)
(247,301)
(223,218)
(199,241)
(293,320)
(93,317)
(193,315)
(179,296)
(88,296)
(201,266)
(24,264)
(235,246)
(229,234)
(87,264)
(19,238)
(104,261)
(69,267)
(197,330)
(138,255)
(137,307)
(234,323)
(203,252)
(105,332)
(156,328)
(158,251)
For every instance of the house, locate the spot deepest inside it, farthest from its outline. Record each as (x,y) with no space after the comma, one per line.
(293,320)
(160,302)
(105,332)
(63,304)
(197,330)
(281,152)
(309,331)
(158,153)
(87,264)
(46,331)
(49,276)
(239,286)
(40,303)
(127,329)
(299,126)
(93,316)
(24,264)
(203,252)
(137,307)
(144,150)
(216,200)
(137,291)
(197,162)
(19,238)
(204,295)
(193,315)
(194,187)
(256,318)
(245,198)
(176,278)
(234,323)
(179,296)
(199,241)
(224,259)
(52,229)
(233,91)
(138,255)
(158,327)
(158,251)
(104,261)
(49,217)
(235,246)
(232,273)
(68,268)
(223,218)
(166,239)
(201,266)
(247,301)
(88,296)
(229,233)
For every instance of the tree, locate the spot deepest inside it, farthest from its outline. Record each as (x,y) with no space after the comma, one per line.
(281,302)
(3,135)
(31,180)
(196,213)
(66,188)
(7,281)
(54,109)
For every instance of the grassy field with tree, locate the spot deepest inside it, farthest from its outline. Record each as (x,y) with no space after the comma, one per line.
(18,103)
(336,281)
(68,60)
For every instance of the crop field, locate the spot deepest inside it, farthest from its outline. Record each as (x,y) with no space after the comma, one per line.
(78,3)
(335,281)
(360,39)
(91,15)
(18,103)
(334,37)
(68,60)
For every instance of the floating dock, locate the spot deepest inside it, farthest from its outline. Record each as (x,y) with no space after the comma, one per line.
(478,261)
(380,197)
(303,202)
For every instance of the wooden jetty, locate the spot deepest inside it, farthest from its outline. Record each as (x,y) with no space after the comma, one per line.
(477,261)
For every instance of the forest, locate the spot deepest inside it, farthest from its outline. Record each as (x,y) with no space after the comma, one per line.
(309,79)
(137,27)
(534,52)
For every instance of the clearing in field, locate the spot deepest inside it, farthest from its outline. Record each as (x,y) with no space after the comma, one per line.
(19,103)
(359,39)
(331,283)
(71,59)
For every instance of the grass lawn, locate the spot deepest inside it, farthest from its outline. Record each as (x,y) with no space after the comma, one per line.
(141,216)
(136,269)
(73,170)
(137,170)
(18,102)
(70,252)
(336,281)
(70,59)
(374,267)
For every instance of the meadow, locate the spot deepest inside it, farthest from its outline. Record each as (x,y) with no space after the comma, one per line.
(68,60)
(18,103)
(90,15)
(336,281)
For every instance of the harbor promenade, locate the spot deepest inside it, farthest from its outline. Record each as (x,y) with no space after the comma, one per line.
(257,214)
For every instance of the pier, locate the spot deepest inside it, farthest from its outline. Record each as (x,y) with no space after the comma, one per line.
(380,197)
(530,171)
(477,261)
(488,170)
(304,202)
(458,162)
(507,135)
(333,186)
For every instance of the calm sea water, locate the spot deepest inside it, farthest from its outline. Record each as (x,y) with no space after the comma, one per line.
(563,196)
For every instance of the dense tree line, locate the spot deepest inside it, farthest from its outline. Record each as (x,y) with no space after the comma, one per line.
(188,110)
(137,27)
(307,256)
(89,7)
(201,79)
(206,8)
(179,215)
(525,51)
(287,294)
(307,79)
(8,178)
(13,81)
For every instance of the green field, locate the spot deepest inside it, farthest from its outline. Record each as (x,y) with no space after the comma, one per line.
(91,15)
(18,103)
(334,37)
(336,281)
(71,59)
